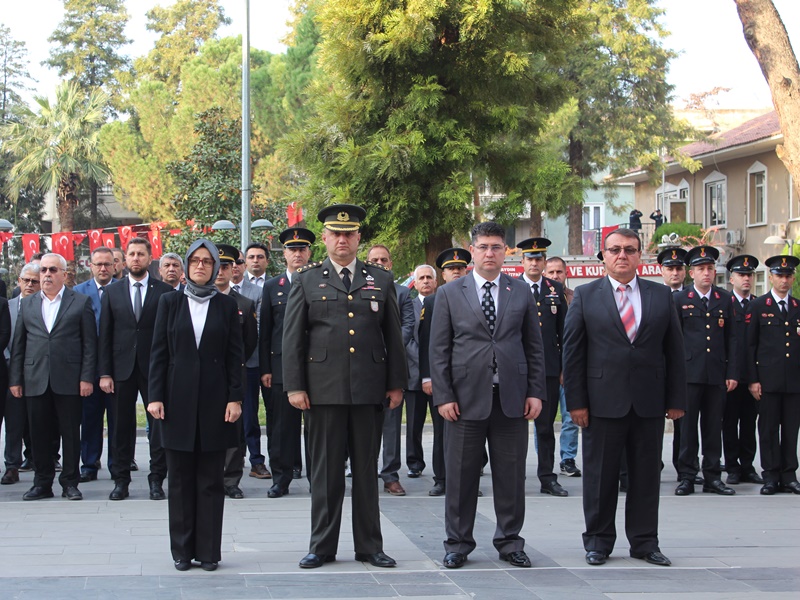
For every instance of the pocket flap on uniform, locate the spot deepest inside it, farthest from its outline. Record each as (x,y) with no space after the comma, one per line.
(317,354)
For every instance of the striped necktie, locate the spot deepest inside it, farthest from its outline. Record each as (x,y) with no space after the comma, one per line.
(626,312)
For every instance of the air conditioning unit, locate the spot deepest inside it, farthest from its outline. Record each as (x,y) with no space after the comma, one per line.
(733,237)
(778,229)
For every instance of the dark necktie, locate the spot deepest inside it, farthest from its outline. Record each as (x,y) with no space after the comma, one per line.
(745,303)
(536,291)
(137,301)
(236,287)
(101,290)
(705,303)
(487,304)
(346,278)
(783,307)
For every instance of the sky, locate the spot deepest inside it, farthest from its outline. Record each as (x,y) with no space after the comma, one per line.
(707,34)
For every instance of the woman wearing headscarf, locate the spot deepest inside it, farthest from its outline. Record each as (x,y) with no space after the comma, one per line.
(195,395)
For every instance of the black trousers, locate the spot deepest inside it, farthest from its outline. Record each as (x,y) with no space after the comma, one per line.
(706,404)
(15,417)
(464,445)
(331,429)
(234,459)
(284,441)
(417,405)
(739,431)
(778,425)
(605,441)
(545,435)
(126,394)
(52,416)
(196,501)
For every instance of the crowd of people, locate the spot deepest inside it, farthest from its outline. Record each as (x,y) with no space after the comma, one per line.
(336,347)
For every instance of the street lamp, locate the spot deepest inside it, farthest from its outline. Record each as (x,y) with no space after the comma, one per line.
(223,224)
(262,224)
(5,225)
(775,240)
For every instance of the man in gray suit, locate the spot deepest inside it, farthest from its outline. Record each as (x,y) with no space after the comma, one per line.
(53,364)
(487,369)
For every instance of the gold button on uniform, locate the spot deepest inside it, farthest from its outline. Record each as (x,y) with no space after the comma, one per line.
(324,298)
(708,326)
(352,332)
(349,297)
(352,350)
(708,349)
(350,315)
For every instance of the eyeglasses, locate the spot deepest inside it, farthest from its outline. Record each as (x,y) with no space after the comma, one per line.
(239,261)
(206,262)
(616,250)
(103,265)
(487,247)
(27,281)
(49,269)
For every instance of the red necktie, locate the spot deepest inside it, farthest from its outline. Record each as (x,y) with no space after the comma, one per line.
(626,312)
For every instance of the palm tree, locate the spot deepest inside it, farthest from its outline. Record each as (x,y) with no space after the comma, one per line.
(57,147)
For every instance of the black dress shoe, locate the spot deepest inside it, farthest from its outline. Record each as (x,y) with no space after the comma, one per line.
(733,478)
(234,491)
(699,480)
(685,487)
(277,491)
(87,476)
(792,487)
(554,489)
(770,489)
(517,558)
(438,489)
(752,478)
(454,560)
(37,492)
(594,558)
(297,474)
(10,476)
(312,561)
(156,491)
(27,465)
(717,487)
(655,558)
(209,565)
(134,466)
(183,565)
(120,492)
(414,473)
(379,559)
(71,493)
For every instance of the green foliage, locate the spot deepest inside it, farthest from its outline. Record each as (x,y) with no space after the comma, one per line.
(14,76)
(689,234)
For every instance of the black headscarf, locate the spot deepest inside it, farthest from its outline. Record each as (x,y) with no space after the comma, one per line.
(195,291)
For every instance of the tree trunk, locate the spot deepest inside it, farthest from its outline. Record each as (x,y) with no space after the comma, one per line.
(536,222)
(66,201)
(93,203)
(575,218)
(437,242)
(766,35)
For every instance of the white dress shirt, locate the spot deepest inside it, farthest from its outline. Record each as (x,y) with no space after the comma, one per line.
(495,291)
(259,281)
(132,289)
(50,308)
(198,312)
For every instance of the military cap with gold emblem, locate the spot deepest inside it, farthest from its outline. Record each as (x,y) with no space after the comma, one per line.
(782,265)
(295,237)
(672,257)
(227,253)
(453,258)
(744,263)
(533,247)
(342,217)
(701,255)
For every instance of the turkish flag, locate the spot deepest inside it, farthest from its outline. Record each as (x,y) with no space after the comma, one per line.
(108,240)
(605,231)
(5,236)
(62,244)
(155,242)
(294,214)
(95,239)
(78,238)
(174,231)
(30,244)
(125,235)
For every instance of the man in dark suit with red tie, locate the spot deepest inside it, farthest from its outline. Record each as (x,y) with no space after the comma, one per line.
(127,319)
(624,371)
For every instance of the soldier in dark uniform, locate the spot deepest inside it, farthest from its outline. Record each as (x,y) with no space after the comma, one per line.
(741,410)
(773,359)
(552,305)
(453,265)
(709,340)
(284,445)
(344,361)
(234,457)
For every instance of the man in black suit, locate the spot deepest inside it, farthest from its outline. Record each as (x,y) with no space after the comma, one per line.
(709,342)
(234,456)
(170,267)
(624,370)
(284,443)
(741,410)
(343,358)
(453,265)
(773,350)
(53,362)
(487,366)
(551,306)
(127,319)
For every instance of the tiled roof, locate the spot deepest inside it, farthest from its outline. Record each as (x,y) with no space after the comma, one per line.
(760,128)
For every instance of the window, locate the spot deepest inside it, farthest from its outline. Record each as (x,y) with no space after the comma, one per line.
(757,195)
(674,201)
(593,216)
(715,211)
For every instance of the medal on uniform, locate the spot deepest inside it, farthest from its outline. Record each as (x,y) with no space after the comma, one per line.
(374,306)
(322,285)
(554,309)
(721,322)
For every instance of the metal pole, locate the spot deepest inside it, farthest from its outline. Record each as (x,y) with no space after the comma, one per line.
(245,222)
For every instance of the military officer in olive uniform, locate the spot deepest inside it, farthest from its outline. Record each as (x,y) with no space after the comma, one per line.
(552,308)
(739,421)
(709,340)
(773,360)
(284,445)
(343,363)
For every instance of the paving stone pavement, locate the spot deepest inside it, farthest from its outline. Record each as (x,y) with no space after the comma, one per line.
(743,547)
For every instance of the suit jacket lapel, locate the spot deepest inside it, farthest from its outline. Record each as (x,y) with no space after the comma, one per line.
(66,299)
(471,296)
(333,278)
(359,279)
(646,296)
(503,296)
(149,297)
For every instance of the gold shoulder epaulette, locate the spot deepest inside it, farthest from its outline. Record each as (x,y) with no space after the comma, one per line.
(372,264)
(308,266)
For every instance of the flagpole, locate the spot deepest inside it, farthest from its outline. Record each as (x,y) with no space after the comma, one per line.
(245,222)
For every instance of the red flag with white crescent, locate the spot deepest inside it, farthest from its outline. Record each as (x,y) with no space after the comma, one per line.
(95,239)
(78,238)
(155,242)
(62,244)
(5,236)
(30,244)
(125,235)
(108,240)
